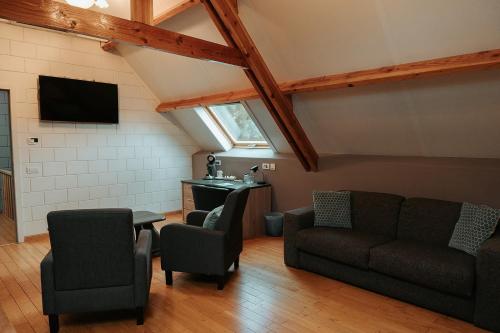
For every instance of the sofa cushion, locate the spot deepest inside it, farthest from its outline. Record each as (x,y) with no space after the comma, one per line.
(375,213)
(343,245)
(428,220)
(211,219)
(332,209)
(476,224)
(441,268)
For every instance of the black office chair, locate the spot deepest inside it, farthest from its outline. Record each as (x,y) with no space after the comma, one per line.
(207,197)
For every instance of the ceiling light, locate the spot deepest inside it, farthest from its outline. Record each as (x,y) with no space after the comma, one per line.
(86,4)
(101,3)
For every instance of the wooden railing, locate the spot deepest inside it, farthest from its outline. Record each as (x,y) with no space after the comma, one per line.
(8,204)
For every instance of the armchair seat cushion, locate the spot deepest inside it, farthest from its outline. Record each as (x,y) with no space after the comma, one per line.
(339,244)
(437,267)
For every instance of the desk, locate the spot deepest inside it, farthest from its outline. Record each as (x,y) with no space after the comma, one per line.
(258,204)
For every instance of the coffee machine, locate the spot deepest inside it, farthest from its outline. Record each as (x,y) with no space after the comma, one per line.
(211,166)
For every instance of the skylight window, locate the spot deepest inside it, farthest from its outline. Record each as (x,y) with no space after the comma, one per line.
(238,125)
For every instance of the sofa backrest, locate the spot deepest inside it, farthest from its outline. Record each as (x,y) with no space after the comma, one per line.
(428,220)
(375,213)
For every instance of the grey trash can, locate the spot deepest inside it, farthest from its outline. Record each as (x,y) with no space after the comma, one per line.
(274,224)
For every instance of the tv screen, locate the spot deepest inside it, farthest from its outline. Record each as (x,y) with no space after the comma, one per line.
(78,101)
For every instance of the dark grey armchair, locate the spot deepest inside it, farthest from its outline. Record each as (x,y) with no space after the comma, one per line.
(193,249)
(94,264)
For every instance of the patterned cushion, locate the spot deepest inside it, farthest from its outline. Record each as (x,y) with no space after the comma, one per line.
(211,219)
(332,209)
(475,225)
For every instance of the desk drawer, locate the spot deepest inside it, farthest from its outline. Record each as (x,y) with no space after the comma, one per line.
(187,200)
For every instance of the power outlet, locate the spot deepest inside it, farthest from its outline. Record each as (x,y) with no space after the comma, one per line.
(272,167)
(32,141)
(265,166)
(218,162)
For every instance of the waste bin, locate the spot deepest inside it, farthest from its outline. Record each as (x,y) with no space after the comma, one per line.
(274,224)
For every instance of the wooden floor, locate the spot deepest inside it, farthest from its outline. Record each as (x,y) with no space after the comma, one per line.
(7,230)
(262,296)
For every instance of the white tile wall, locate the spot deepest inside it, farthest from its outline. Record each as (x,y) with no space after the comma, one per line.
(137,164)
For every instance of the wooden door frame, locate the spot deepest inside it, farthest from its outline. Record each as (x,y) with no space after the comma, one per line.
(16,165)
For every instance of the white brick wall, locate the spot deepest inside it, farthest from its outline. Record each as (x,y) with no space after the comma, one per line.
(137,164)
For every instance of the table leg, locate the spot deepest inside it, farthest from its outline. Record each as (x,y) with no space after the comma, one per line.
(138,229)
(155,247)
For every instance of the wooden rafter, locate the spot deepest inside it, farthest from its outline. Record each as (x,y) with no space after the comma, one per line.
(175,10)
(59,16)
(109,46)
(279,105)
(182,7)
(465,62)
(141,11)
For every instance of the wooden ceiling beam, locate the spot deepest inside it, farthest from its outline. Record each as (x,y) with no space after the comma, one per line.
(175,10)
(460,63)
(280,106)
(141,11)
(109,46)
(60,16)
(181,8)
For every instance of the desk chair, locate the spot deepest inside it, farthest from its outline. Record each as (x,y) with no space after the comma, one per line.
(207,197)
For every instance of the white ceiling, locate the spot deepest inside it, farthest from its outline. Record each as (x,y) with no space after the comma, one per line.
(451,115)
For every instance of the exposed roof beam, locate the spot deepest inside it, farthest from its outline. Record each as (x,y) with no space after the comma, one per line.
(182,7)
(141,11)
(63,17)
(465,62)
(279,105)
(109,46)
(175,10)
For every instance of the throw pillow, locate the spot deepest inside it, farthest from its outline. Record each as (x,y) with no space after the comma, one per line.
(332,209)
(475,225)
(211,219)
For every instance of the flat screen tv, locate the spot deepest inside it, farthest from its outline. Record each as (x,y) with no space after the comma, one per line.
(77,101)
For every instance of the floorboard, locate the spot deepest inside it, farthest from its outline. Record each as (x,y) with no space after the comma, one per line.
(7,230)
(262,296)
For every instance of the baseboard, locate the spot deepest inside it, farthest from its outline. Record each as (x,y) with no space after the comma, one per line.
(36,237)
(172,213)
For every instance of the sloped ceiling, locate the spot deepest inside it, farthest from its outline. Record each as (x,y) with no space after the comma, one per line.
(453,115)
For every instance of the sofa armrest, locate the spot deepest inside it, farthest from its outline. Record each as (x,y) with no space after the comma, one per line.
(143,267)
(192,249)
(295,220)
(488,285)
(48,284)
(196,217)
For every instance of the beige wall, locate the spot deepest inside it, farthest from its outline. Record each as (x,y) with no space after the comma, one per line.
(473,180)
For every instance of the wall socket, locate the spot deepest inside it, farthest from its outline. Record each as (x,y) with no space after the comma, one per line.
(269,166)
(218,162)
(32,141)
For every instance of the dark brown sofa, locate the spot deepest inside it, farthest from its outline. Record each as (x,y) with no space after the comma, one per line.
(399,247)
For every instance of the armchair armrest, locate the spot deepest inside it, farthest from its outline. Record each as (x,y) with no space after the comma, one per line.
(143,267)
(192,249)
(295,220)
(488,285)
(196,217)
(48,284)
